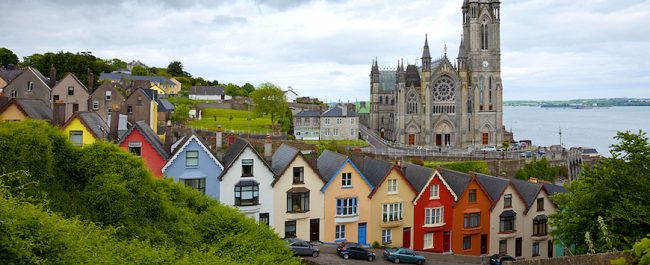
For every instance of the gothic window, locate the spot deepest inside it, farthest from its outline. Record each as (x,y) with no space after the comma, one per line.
(412,103)
(444,90)
(469,104)
(381,100)
(490,90)
(480,89)
(484,35)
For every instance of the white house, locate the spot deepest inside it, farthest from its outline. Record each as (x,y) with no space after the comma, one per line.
(246,182)
(208,93)
(291,94)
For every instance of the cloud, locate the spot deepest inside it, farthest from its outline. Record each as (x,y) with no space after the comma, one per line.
(550,48)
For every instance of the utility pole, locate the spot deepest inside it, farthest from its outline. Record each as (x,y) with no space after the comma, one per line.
(560,133)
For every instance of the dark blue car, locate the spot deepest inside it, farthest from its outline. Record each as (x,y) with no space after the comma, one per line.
(354,251)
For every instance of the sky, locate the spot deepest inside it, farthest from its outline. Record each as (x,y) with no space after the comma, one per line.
(551,49)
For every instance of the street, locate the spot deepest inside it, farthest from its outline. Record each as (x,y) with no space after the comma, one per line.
(328,256)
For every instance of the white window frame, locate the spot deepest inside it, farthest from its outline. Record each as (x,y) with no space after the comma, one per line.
(108,95)
(434,191)
(391,212)
(386,236)
(340,232)
(428,240)
(95,104)
(348,207)
(346,180)
(30,86)
(392,186)
(434,216)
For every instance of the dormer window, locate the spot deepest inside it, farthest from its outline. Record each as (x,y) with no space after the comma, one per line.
(346,180)
(109,95)
(434,192)
(247,167)
(191,158)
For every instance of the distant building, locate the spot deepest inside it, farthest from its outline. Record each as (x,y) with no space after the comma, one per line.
(134,63)
(363,111)
(169,85)
(208,93)
(578,158)
(291,95)
(339,124)
(308,100)
(306,125)
(31,84)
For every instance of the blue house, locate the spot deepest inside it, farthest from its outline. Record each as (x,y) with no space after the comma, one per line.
(193,164)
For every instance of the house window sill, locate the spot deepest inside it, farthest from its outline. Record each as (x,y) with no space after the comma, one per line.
(346,187)
(434,225)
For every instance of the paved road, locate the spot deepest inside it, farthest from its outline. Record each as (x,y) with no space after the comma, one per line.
(328,256)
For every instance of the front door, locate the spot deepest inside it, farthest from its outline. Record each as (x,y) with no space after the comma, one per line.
(518,247)
(550,248)
(446,238)
(485,138)
(484,244)
(406,237)
(362,234)
(382,134)
(438,139)
(411,139)
(314,230)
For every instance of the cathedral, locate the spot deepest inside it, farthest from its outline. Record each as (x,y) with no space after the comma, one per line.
(441,104)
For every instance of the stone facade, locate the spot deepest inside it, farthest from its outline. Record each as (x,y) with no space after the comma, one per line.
(306,125)
(104,97)
(31,84)
(442,104)
(339,124)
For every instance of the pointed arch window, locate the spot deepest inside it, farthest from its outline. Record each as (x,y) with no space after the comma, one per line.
(412,103)
(490,90)
(484,35)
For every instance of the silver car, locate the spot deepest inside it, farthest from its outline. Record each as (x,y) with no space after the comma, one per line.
(302,247)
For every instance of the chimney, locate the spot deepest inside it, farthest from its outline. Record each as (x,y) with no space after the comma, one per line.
(58,113)
(218,138)
(344,110)
(115,121)
(91,81)
(268,148)
(169,138)
(52,76)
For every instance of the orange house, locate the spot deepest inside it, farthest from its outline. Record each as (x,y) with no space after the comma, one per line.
(471,229)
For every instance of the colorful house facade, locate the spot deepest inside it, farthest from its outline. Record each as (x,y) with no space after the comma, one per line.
(298,183)
(72,93)
(246,182)
(142,141)
(471,220)
(347,206)
(20,109)
(85,128)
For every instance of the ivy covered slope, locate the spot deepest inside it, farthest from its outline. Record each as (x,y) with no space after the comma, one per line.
(99,204)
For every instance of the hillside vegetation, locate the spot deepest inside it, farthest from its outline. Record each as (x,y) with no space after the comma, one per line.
(61,204)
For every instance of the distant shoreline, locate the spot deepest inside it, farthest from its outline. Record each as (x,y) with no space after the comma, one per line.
(581,103)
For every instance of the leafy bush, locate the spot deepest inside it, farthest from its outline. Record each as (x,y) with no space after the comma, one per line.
(463,166)
(640,253)
(113,193)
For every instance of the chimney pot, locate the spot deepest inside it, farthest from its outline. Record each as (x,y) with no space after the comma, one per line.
(114,122)
(268,148)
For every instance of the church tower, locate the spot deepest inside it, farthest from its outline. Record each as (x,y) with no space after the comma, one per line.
(479,60)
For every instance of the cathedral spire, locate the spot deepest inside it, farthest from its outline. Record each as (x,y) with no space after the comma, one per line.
(425,53)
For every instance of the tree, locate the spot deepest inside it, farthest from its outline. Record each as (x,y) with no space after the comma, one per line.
(7,57)
(615,189)
(181,114)
(175,68)
(541,169)
(270,100)
(139,70)
(233,90)
(247,89)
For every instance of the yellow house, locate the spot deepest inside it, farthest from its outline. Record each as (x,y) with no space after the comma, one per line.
(347,206)
(298,206)
(391,203)
(20,109)
(84,128)
(157,88)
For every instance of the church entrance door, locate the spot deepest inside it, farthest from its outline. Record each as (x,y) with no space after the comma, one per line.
(438,139)
(486,137)
(411,139)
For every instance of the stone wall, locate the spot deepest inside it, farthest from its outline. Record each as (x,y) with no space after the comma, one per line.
(597,259)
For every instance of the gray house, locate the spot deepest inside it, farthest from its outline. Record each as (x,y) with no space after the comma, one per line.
(339,124)
(71,92)
(30,84)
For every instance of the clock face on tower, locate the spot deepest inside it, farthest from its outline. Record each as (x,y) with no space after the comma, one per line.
(485,64)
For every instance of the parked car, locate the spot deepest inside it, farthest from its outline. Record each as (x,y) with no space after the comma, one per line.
(398,255)
(354,251)
(498,259)
(526,154)
(489,148)
(302,247)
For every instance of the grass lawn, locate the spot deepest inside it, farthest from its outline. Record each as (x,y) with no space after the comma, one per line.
(462,166)
(353,143)
(239,120)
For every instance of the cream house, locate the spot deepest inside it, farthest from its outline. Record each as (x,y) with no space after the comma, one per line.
(299,203)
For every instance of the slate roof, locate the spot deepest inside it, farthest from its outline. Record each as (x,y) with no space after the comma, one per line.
(527,190)
(206,90)
(148,134)
(164,105)
(308,113)
(374,170)
(120,76)
(235,151)
(553,189)
(40,76)
(494,186)
(9,75)
(387,80)
(33,108)
(338,112)
(417,175)
(457,181)
(180,145)
(282,158)
(412,76)
(329,162)
(98,127)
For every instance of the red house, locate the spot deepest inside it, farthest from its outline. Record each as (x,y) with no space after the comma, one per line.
(142,141)
(433,210)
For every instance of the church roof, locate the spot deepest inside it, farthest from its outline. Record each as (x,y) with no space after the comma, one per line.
(461,49)
(412,76)
(387,80)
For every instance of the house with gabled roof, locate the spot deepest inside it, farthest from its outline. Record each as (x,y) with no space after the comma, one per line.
(338,123)
(142,141)
(30,84)
(141,105)
(104,97)
(298,183)
(246,182)
(306,125)
(73,93)
(169,85)
(20,109)
(7,75)
(194,165)
(471,218)
(391,202)
(208,93)
(433,206)
(85,128)
(347,205)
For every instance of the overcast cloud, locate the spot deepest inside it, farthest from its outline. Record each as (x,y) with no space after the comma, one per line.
(551,49)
